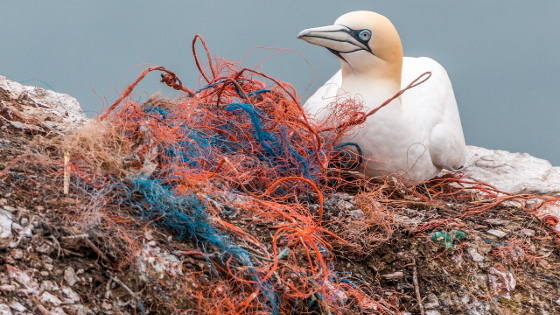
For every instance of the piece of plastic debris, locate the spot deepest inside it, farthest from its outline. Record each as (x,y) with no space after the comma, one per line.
(448,239)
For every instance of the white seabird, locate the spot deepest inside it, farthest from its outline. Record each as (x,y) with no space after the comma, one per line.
(415,136)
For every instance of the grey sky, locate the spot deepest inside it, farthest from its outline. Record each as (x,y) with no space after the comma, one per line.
(502,56)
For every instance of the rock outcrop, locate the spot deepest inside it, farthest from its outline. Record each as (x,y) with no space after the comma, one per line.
(515,173)
(35,109)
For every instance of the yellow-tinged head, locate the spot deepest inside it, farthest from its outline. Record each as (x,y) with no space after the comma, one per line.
(365,41)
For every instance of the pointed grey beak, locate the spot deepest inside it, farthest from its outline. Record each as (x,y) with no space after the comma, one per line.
(338,38)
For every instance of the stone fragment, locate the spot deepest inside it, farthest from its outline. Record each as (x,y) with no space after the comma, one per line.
(5,309)
(157,262)
(7,288)
(501,281)
(496,221)
(9,208)
(357,214)
(394,275)
(17,306)
(497,233)
(49,285)
(475,255)
(50,299)
(71,295)
(29,284)
(78,309)
(433,301)
(70,276)
(5,225)
(58,311)
(44,248)
(478,308)
(16,253)
(106,305)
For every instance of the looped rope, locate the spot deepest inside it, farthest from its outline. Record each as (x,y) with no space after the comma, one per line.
(199,38)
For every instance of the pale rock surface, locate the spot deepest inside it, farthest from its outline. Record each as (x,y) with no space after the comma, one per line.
(475,255)
(512,172)
(156,261)
(17,306)
(28,283)
(70,276)
(71,295)
(5,309)
(5,224)
(497,233)
(501,281)
(515,173)
(50,299)
(36,109)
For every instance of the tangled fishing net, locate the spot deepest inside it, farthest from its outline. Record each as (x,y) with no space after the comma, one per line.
(238,169)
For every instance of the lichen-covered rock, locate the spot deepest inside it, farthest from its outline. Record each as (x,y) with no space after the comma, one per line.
(512,172)
(5,309)
(5,227)
(35,109)
(156,262)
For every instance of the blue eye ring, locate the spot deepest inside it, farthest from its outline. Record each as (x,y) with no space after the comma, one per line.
(364,35)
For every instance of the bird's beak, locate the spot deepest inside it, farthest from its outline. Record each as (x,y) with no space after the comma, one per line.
(336,38)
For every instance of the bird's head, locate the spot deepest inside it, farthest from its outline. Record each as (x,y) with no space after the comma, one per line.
(365,41)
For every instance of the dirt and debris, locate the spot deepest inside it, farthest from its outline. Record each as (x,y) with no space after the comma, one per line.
(508,263)
(500,261)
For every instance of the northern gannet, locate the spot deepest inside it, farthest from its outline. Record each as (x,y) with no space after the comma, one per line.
(415,136)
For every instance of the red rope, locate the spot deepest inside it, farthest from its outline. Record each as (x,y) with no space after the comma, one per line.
(196,38)
(363,116)
(168,77)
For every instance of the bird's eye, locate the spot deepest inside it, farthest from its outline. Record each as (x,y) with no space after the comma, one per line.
(364,35)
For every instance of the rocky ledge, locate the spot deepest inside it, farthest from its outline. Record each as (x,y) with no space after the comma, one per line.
(34,109)
(501,262)
(515,173)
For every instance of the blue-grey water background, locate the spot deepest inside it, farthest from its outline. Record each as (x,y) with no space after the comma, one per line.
(502,56)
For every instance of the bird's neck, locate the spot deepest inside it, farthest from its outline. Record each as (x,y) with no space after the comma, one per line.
(375,84)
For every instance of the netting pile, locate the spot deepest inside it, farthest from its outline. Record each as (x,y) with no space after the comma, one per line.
(234,149)
(237,168)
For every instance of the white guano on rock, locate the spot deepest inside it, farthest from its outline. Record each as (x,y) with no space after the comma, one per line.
(32,108)
(514,173)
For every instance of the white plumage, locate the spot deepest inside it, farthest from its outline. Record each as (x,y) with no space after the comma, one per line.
(418,134)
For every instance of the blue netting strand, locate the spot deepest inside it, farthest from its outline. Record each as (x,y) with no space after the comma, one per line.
(272,144)
(187,216)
